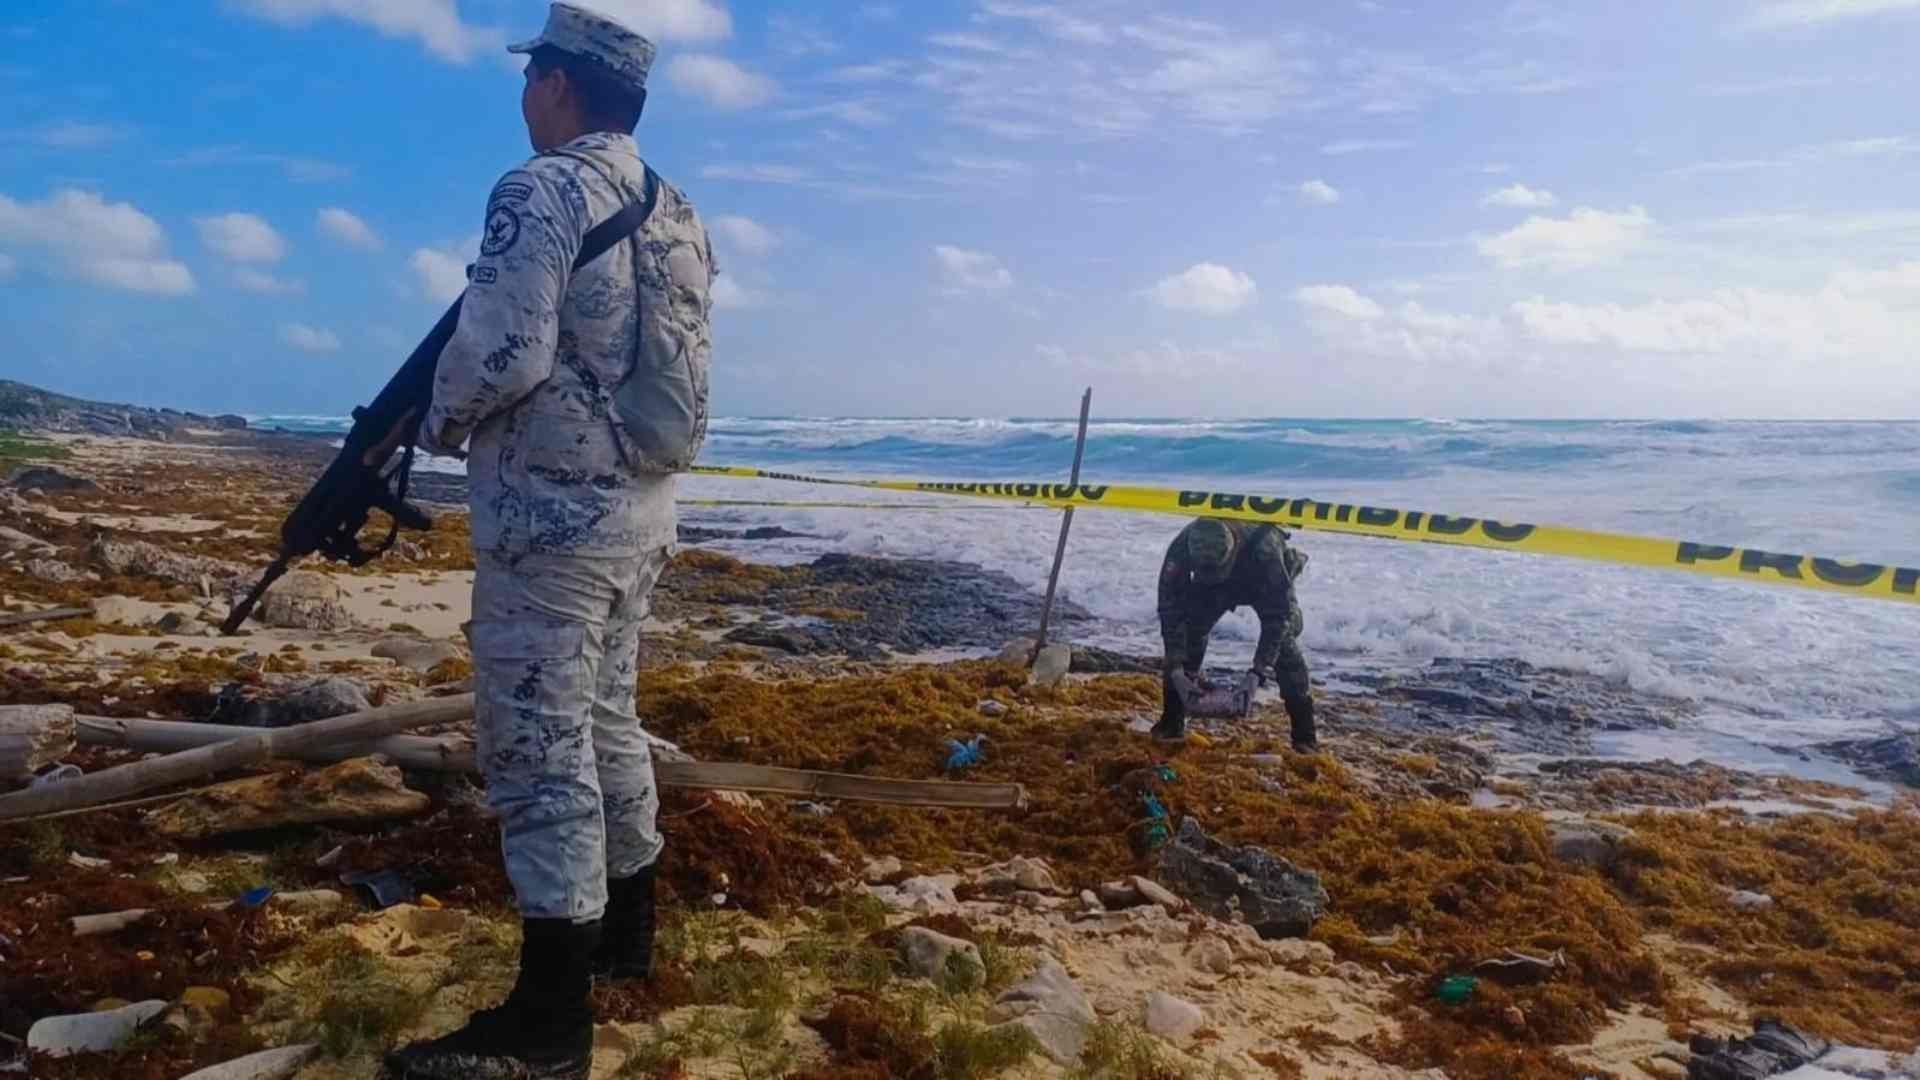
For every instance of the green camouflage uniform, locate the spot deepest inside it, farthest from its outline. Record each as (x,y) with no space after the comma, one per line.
(1262,576)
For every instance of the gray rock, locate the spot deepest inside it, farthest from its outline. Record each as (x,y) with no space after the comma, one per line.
(137,557)
(55,571)
(1749,901)
(1091,902)
(1051,1006)
(172,622)
(1018,651)
(266,1065)
(1212,955)
(927,953)
(1019,872)
(1587,843)
(91,1033)
(45,479)
(991,708)
(1171,1018)
(15,540)
(416,653)
(1120,895)
(882,868)
(320,699)
(1051,666)
(117,609)
(1153,892)
(1275,897)
(304,600)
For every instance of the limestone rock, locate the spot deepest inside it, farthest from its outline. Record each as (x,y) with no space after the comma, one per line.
(54,571)
(93,1032)
(1275,897)
(882,868)
(357,790)
(1052,1006)
(927,953)
(15,540)
(991,708)
(1018,651)
(305,600)
(31,738)
(1018,872)
(1153,892)
(280,1064)
(137,557)
(1172,1018)
(416,653)
(1051,666)
(1212,955)
(117,609)
(926,895)
(1749,901)
(1587,843)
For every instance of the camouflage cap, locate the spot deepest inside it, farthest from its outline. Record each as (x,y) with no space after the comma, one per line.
(1211,547)
(601,38)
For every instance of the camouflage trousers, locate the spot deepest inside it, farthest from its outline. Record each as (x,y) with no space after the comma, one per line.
(556,641)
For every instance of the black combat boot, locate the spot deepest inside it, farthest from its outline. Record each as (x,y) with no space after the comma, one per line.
(543,1031)
(626,933)
(1173,710)
(1304,737)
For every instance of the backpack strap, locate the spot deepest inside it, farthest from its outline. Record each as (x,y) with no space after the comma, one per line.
(602,237)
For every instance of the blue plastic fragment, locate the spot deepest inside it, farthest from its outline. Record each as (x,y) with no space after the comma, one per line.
(1159,827)
(253,898)
(1167,774)
(971,752)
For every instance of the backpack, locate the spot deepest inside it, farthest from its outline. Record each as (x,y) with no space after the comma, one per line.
(659,410)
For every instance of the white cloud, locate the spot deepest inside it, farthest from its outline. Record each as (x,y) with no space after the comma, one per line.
(1519,197)
(1319,192)
(443,271)
(298,169)
(347,228)
(309,338)
(730,295)
(111,244)
(1339,300)
(241,237)
(436,24)
(1810,154)
(1052,19)
(1222,78)
(1587,237)
(745,235)
(1362,146)
(671,20)
(1206,288)
(73,136)
(972,270)
(1788,13)
(857,113)
(719,82)
(259,282)
(757,173)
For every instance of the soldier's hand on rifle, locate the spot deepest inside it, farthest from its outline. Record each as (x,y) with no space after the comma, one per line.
(446,443)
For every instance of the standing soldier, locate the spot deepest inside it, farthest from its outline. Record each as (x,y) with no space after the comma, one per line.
(582,384)
(1212,567)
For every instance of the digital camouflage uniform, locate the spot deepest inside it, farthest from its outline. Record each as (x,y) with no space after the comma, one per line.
(569,539)
(1262,576)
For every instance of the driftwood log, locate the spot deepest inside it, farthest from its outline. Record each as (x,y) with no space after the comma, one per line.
(31,738)
(21,618)
(236,751)
(454,753)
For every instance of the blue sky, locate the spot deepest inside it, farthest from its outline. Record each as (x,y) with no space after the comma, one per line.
(1345,208)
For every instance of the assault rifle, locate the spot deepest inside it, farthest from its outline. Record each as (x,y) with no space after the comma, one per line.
(363,477)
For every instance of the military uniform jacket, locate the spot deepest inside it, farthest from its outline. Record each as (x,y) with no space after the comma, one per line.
(538,350)
(1262,577)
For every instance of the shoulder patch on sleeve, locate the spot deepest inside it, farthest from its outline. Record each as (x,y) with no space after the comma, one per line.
(510,190)
(503,230)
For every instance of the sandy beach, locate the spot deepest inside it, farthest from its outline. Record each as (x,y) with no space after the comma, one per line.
(1598,913)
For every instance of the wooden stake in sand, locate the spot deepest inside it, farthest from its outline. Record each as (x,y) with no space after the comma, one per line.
(31,738)
(239,752)
(1066,522)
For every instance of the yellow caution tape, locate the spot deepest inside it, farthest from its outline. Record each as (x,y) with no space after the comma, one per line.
(811,505)
(1742,564)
